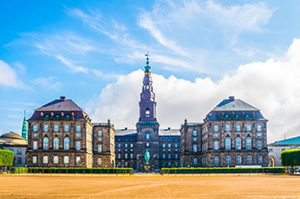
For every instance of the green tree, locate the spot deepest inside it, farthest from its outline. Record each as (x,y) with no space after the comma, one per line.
(290,157)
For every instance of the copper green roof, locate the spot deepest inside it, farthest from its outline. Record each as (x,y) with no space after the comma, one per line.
(290,141)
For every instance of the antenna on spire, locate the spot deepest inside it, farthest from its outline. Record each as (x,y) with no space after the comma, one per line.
(147,67)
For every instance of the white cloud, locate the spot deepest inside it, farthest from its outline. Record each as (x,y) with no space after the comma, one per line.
(71,65)
(49,82)
(272,86)
(9,77)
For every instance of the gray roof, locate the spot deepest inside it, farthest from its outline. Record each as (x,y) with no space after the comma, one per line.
(162,132)
(236,105)
(60,105)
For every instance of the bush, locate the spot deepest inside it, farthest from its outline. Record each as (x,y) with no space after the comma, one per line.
(19,170)
(290,157)
(6,158)
(96,170)
(206,170)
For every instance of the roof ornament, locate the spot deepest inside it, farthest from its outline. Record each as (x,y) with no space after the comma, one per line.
(147,67)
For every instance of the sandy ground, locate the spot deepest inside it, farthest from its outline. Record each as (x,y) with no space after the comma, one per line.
(144,187)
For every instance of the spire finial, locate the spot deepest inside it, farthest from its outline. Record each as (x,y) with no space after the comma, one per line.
(147,67)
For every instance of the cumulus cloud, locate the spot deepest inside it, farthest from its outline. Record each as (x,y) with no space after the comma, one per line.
(9,77)
(272,86)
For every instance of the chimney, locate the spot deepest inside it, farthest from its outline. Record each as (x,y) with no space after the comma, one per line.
(62,98)
(231,98)
(125,128)
(169,128)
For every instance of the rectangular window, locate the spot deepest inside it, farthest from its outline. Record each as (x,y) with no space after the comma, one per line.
(56,128)
(78,135)
(259,135)
(100,148)
(119,145)
(78,128)
(169,155)
(194,139)
(147,136)
(260,159)
(194,132)
(194,148)
(216,128)
(248,127)
(175,145)
(99,161)
(227,127)
(19,160)
(228,160)
(119,155)
(77,160)
(126,156)
(131,145)
(125,145)
(216,160)
(34,159)
(216,135)
(238,159)
(258,127)
(78,146)
(66,127)
(176,155)
(238,127)
(45,127)
(216,145)
(35,135)
(35,127)
(164,156)
(163,145)
(35,145)
(100,133)
(131,156)
(169,145)
(147,145)
(19,151)
(259,145)
(249,159)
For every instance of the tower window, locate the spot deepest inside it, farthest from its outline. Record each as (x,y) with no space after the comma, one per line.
(147,112)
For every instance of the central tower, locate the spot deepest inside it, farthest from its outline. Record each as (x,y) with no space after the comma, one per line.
(147,126)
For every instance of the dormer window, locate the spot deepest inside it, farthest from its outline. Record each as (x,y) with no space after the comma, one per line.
(226,116)
(237,116)
(67,116)
(57,116)
(47,115)
(147,112)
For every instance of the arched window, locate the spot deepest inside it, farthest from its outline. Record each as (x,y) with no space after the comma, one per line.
(46,143)
(66,159)
(67,143)
(147,112)
(55,159)
(216,160)
(195,161)
(248,143)
(227,143)
(56,143)
(77,160)
(45,159)
(238,143)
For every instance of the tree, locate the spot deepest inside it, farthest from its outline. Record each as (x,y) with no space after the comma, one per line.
(290,157)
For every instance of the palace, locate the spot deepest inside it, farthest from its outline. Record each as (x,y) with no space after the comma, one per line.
(61,134)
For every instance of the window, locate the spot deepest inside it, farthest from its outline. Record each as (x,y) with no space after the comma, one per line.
(194,139)
(126,156)
(227,143)
(131,145)
(147,145)
(19,151)
(100,133)
(35,135)
(78,128)
(259,145)
(169,164)
(45,159)
(216,128)
(35,127)
(259,135)
(55,159)
(35,145)
(125,145)
(248,127)
(163,145)
(216,135)
(248,143)
(194,133)
(45,127)
(238,159)
(216,160)
(66,143)
(67,116)
(100,148)
(78,146)
(227,127)
(56,128)
(270,150)
(169,145)
(164,156)
(46,143)
(147,136)
(175,145)
(66,127)
(99,161)
(34,159)
(19,160)
(66,160)
(228,160)
(56,143)
(131,156)
(195,161)
(147,113)
(226,116)
(78,160)
(238,127)
(176,156)
(99,139)
(237,116)
(260,159)
(169,155)
(216,145)
(78,135)
(249,159)
(258,127)
(119,145)
(176,164)
(238,143)
(194,148)
(119,155)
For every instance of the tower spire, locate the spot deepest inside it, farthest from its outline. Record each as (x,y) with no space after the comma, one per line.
(25,127)
(147,67)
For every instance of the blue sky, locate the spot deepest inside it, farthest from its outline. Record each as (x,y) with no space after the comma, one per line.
(88,50)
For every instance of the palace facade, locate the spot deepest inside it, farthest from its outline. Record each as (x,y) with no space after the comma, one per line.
(61,134)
